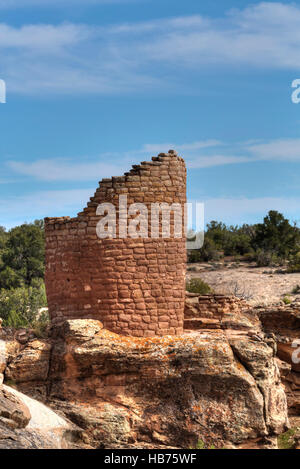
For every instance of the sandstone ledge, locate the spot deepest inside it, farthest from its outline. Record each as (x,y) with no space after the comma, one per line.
(219,386)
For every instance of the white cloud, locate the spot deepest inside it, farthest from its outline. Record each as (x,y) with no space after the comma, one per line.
(281,149)
(7,4)
(43,37)
(164,147)
(64,170)
(61,169)
(200,154)
(203,154)
(17,210)
(285,150)
(133,57)
(265,35)
(233,210)
(216,160)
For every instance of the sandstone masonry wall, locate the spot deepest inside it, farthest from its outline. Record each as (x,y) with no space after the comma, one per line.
(134,286)
(212,311)
(212,305)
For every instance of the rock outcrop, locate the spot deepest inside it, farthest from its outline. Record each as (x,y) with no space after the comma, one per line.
(219,383)
(13,412)
(28,424)
(220,386)
(283,322)
(129,392)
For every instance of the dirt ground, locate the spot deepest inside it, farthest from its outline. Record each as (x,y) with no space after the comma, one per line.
(258,285)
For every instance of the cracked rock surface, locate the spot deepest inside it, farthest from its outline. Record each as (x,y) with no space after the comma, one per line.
(220,386)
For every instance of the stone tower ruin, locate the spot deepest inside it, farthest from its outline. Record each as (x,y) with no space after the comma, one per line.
(133,286)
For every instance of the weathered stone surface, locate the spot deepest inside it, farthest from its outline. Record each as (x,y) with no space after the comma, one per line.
(8,350)
(257,356)
(130,392)
(29,368)
(221,386)
(283,323)
(31,363)
(13,412)
(28,424)
(218,312)
(287,353)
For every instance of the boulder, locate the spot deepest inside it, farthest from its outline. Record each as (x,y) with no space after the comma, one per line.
(283,323)
(28,424)
(29,368)
(13,412)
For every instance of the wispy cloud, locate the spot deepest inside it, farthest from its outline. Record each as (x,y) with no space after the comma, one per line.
(17,210)
(164,147)
(64,170)
(233,210)
(26,208)
(215,160)
(8,4)
(133,57)
(281,149)
(44,38)
(200,154)
(285,150)
(211,153)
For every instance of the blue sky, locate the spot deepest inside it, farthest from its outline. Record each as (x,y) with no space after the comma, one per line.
(94,86)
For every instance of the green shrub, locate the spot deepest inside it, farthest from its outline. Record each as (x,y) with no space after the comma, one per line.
(269,243)
(286,300)
(287,440)
(194,256)
(201,445)
(41,324)
(267,258)
(207,253)
(22,252)
(249,256)
(293,269)
(20,307)
(276,235)
(294,264)
(196,285)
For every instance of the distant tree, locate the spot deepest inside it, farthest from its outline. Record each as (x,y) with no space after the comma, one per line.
(276,235)
(3,237)
(218,233)
(20,307)
(9,278)
(23,254)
